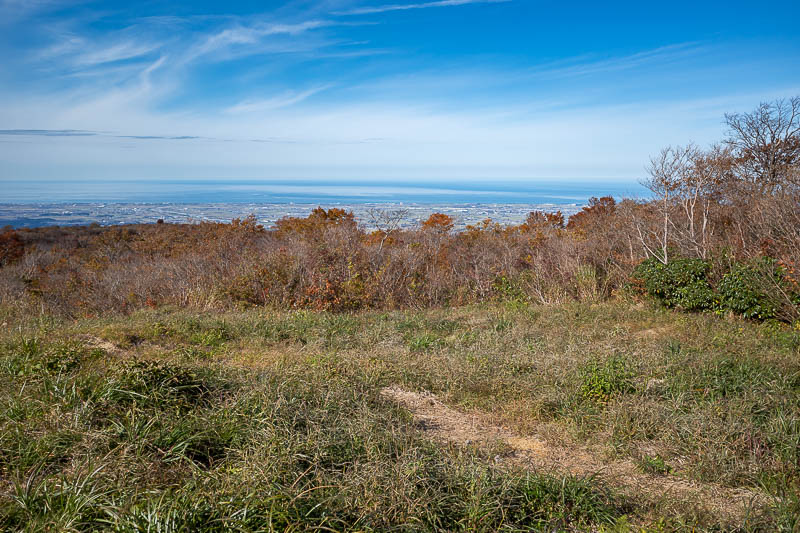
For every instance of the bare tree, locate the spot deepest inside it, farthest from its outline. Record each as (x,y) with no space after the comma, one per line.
(698,192)
(766,146)
(386,221)
(669,172)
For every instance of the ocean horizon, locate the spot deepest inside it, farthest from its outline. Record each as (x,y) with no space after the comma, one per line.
(37,203)
(313,191)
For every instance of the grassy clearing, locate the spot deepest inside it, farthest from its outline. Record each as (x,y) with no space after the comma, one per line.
(167,420)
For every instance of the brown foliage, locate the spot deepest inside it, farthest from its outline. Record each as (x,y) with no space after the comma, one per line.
(326,261)
(595,213)
(11,247)
(317,221)
(539,220)
(439,223)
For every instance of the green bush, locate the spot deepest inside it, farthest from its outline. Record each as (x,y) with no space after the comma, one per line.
(757,289)
(680,283)
(508,289)
(745,289)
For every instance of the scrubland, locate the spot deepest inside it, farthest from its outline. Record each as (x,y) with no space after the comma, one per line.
(633,368)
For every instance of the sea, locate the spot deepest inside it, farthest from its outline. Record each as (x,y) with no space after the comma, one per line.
(33,203)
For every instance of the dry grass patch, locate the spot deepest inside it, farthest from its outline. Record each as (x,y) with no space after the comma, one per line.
(288,410)
(666,493)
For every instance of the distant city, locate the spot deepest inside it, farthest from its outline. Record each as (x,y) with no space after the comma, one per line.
(36,203)
(61,214)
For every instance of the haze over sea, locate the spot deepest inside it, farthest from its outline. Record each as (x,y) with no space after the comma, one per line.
(312,191)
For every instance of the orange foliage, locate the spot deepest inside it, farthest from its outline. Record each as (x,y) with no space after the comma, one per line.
(380,237)
(598,209)
(315,222)
(439,223)
(249,223)
(539,220)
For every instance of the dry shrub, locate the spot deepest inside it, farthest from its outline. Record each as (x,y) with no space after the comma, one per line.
(727,205)
(327,262)
(324,261)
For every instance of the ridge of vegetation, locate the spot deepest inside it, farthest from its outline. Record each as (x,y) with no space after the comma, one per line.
(721,233)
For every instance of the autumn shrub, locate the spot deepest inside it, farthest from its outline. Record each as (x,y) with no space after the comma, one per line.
(11,247)
(539,220)
(596,212)
(326,261)
(315,223)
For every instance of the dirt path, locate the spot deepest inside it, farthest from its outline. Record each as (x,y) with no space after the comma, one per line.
(96,342)
(444,424)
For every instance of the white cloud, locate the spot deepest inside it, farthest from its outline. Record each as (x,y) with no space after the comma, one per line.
(599,141)
(248,35)
(584,66)
(422,5)
(469,117)
(114,52)
(286,99)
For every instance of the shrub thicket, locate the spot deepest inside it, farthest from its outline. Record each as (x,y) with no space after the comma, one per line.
(758,289)
(727,202)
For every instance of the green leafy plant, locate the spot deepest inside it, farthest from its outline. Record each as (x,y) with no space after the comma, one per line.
(508,289)
(681,283)
(745,289)
(653,464)
(602,380)
(424,342)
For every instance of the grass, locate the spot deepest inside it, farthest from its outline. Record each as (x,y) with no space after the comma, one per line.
(266,420)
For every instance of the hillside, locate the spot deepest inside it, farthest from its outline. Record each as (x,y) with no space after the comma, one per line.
(501,416)
(631,367)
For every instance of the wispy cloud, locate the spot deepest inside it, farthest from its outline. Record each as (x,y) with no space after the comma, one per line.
(422,5)
(160,137)
(284,140)
(87,133)
(115,52)
(584,66)
(249,35)
(276,102)
(50,133)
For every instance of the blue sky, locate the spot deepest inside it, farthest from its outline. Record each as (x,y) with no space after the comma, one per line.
(362,89)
